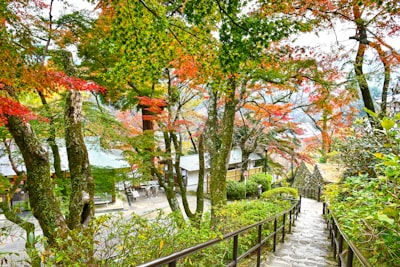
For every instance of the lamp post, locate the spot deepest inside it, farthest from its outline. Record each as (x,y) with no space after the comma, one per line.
(266,160)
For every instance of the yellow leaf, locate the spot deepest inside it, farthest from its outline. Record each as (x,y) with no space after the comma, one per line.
(161,244)
(387,123)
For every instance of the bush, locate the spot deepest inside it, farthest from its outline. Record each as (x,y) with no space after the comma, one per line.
(239,190)
(280,193)
(368,212)
(129,241)
(251,188)
(367,203)
(263,179)
(357,150)
(235,190)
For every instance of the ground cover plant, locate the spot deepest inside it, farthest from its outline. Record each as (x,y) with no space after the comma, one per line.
(367,205)
(123,241)
(370,217)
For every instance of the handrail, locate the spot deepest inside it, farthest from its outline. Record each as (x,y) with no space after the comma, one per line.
(314,193)
(337,243)
(293,212)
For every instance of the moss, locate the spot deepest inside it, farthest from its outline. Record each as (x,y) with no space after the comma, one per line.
(280,192)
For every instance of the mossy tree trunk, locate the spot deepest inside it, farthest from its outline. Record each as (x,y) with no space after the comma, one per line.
(168,182)
(200,182)
(39,184)
(81,206)
(220,143)
(193,216)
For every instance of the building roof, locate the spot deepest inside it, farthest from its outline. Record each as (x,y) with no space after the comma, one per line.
(98,156)
(191,162)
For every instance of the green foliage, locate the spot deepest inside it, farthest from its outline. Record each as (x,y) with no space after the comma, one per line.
(323,159)
(5,184)
(104,180)
(129,241)
(21,206)
(240,190)
(74,249)
(251,188)
(357,150)
(235,190)
(242,213)
(263,179)
(368,211)
(367,206)
(280,193)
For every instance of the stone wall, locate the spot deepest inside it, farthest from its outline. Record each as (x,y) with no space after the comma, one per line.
(302,175)
(321,174)
(315,179)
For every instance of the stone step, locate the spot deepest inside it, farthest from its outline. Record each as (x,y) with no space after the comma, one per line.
(308,244)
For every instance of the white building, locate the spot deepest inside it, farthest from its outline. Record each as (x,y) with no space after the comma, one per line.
(98,156)
(190,167)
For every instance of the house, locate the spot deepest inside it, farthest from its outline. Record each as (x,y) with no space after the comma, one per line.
(98,157)
(190,168)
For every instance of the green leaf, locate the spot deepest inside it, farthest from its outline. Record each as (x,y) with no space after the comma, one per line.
(31,238)
(385,218)
(373,114)
(387,123)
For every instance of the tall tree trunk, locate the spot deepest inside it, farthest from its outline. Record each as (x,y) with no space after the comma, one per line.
(170,193)
(81,206)
(52,138)
(245,163)
(221,148)
(386,77)
(362,39)
(360,76)
(169,184)
(11,215)
(39,184)
(199,208)
(325,147)
(200,182)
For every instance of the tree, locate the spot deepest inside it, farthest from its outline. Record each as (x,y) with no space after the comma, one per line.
(374,28)
(240,51)
(21,31)
(330,106)
(149,38)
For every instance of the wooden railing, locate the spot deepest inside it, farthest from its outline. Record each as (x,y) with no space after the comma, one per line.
(283,223)
(343,249)
(314,193)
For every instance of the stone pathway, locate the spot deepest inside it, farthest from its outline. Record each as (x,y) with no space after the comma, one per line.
(308,245)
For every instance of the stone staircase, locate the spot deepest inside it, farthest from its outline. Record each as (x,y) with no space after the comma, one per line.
(308,244)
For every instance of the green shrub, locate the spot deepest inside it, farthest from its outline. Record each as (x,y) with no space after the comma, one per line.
(263,179)
(367,203)
(235,190)
(251,188)
(280,193)
(239,190)
(239,214)
(122,240)
(368,212)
